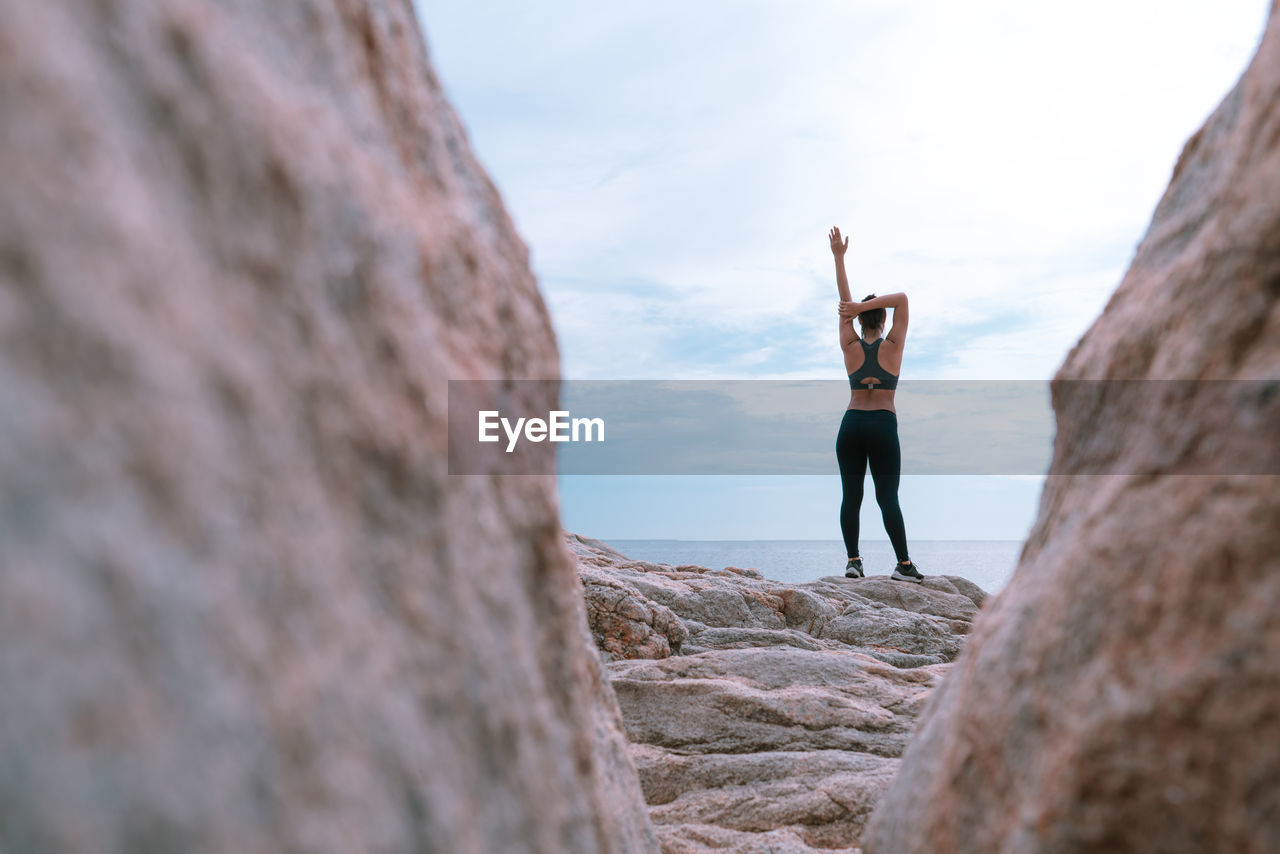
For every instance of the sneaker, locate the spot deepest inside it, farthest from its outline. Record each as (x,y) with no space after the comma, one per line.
(908,572)
(854,568)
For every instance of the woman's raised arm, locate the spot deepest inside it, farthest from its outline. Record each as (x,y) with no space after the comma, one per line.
(838,248)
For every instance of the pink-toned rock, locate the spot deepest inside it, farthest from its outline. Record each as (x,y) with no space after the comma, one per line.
(635,604)
(624,624)
(762,801)
(776,698)
(243,605)
(776,723)
(1123,693)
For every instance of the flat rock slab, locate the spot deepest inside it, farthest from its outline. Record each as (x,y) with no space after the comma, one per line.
(767,717)
(776,698)
(818,798)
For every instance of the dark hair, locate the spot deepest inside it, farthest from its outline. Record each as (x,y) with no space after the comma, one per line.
(873,319)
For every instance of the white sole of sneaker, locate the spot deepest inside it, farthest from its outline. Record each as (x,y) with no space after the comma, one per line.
(897,577)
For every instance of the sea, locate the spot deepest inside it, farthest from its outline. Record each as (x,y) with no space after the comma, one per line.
(987,563)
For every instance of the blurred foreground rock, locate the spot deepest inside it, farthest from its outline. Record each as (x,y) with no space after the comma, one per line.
(1123,693)
(767,716)
(243,605)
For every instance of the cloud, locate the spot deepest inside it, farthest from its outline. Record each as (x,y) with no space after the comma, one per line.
(972,150)
(675,167)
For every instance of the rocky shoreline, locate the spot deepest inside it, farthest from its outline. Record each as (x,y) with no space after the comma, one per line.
(248,607)
(766,716)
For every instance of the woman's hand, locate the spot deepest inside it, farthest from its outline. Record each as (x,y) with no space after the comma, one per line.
(850,309)
(837,246)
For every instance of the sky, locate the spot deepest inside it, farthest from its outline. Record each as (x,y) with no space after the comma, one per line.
(675,168)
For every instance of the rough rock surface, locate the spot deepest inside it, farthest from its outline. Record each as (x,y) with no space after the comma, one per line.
(243,606)
(766,716)
(1137,708)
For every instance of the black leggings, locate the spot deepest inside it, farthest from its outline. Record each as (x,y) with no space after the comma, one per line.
(870,436)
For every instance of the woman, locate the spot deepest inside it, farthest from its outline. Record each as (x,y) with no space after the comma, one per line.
(869,430)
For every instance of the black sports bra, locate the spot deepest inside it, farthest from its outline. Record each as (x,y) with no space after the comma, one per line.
(871,369)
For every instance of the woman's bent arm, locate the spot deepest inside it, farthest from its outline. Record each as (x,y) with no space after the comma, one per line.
(894,301)
(898,302)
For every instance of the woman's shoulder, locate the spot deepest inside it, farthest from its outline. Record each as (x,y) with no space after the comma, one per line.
(854,357)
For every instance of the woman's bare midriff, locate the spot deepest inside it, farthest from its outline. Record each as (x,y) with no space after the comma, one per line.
(869,400)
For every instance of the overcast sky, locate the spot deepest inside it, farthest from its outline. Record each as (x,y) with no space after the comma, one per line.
(675,166)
